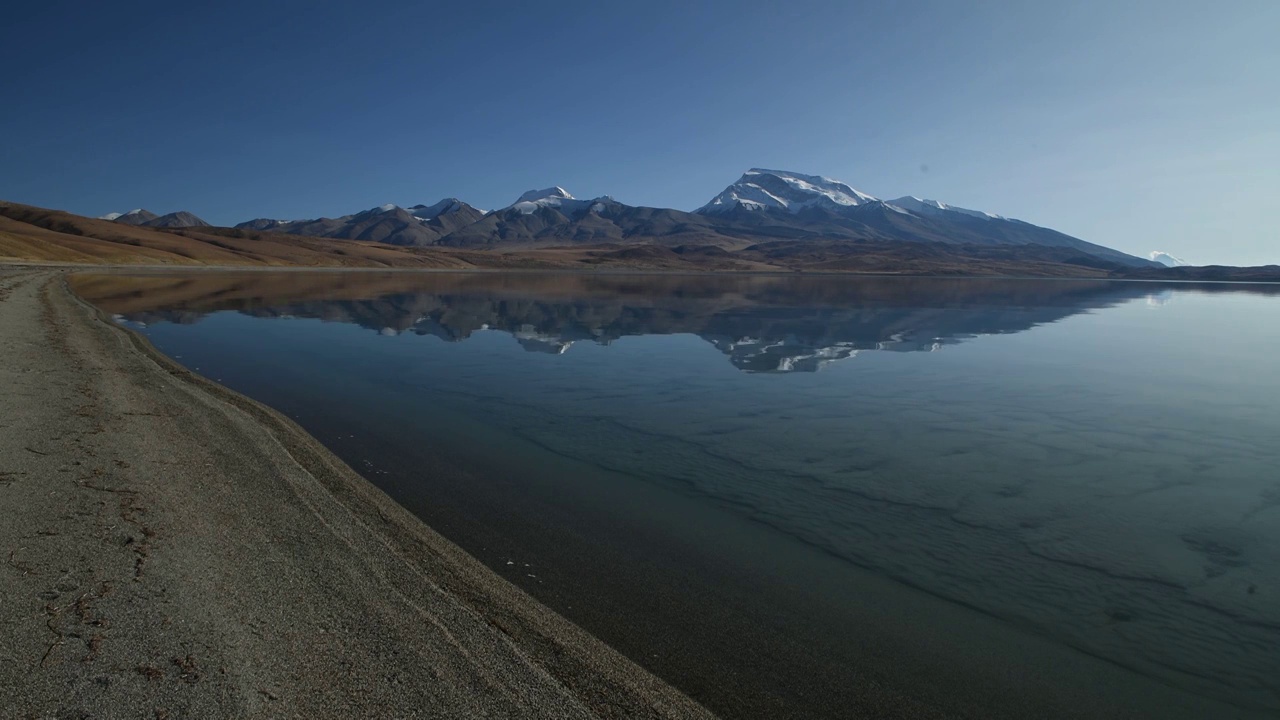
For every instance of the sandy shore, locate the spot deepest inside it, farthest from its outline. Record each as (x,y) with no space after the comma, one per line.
(175,550)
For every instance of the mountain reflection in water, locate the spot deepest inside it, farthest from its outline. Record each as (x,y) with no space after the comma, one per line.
(764,324)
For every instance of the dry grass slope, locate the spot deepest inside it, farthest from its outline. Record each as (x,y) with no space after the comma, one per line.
(35,234)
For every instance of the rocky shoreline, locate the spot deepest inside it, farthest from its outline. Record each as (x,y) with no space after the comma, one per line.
(174,549)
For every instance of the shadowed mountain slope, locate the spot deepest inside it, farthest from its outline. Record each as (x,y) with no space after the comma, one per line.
(419,225)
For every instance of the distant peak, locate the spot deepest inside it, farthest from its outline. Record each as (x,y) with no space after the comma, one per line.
(137,216)
(551,192)
(181,218)
(763,189)
(388,207)
(1166,259)
(552,197)
(443,207)
(446,205)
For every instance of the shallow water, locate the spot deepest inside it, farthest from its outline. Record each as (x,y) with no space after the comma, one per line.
(787,495)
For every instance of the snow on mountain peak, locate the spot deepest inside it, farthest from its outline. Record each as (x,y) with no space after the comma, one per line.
(549,197)
(110,216)
(444,207)
(1166,259)
(388,207)
(934,207)
(760,189)
(556,192)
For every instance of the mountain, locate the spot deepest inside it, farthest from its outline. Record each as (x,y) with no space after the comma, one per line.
(133,217)
(42,235)
(831,220)
(180,219)
(547,216)
(418,225)
(556,197)
(781,190)
(447,215)
(787,204)
(1166,259)
(552,216)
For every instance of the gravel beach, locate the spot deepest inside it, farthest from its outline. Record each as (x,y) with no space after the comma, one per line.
(173,549)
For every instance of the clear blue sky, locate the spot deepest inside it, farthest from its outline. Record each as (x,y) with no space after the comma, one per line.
(1139,125)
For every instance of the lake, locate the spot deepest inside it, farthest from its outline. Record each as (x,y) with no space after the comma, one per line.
(811,496)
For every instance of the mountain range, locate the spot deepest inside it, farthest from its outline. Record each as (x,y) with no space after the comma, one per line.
(146,218)
(765,221)
(762,206)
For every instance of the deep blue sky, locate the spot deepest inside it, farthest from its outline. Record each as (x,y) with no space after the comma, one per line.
(1139,125)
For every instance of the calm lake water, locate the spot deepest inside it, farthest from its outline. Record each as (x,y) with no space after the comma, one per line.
(812,496)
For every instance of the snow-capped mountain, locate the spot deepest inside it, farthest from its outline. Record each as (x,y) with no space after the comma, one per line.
(559,198)
(180,219)
(531,200)
(933,208)
(760,189)
(791,205)
(1166,259)
(133,217)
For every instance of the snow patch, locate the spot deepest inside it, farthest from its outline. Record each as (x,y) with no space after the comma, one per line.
(551,193)
(1166,259)
(924,207)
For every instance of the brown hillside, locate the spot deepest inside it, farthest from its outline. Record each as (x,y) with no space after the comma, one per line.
(35,234)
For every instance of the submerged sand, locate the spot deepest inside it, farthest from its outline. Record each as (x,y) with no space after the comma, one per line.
(173,549)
